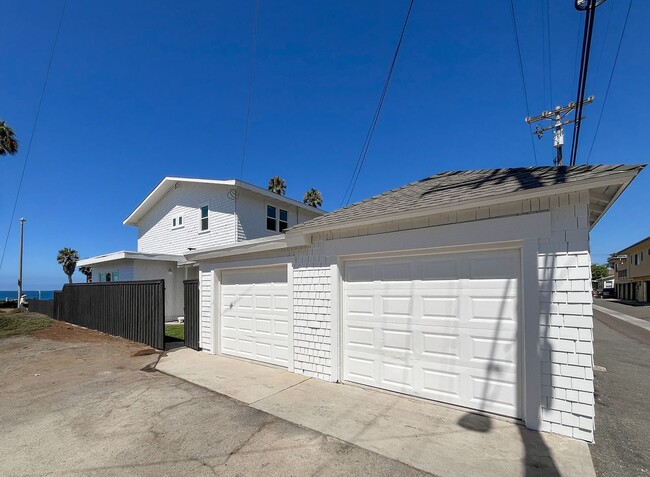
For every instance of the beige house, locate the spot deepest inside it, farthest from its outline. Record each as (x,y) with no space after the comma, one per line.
(633,271)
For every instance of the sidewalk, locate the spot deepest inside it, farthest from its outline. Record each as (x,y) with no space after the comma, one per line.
(641,323)
(435,438)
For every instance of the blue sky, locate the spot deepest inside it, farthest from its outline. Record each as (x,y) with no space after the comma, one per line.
(142,90)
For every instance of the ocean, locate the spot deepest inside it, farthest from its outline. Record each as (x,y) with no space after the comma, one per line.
(35,294)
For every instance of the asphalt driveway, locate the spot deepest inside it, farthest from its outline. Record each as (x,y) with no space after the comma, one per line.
(75,402)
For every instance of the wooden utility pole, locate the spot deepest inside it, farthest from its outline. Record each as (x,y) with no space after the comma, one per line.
(557,116)
(20,266)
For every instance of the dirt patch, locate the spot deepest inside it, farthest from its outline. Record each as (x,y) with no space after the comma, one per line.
(62,331)
(144,352)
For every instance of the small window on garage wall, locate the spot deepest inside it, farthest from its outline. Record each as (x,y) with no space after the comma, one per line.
(102,277)
(204,218)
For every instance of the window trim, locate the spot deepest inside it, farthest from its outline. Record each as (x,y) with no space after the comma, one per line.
(277,219)
(177,222)
(206,218)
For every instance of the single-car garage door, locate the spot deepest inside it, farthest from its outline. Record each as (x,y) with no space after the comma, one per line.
(255,314)
(443,327)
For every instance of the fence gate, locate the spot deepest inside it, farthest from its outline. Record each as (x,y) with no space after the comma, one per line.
(192,323)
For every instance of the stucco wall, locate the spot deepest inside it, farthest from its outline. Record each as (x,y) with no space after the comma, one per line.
(123,267)
(173,276)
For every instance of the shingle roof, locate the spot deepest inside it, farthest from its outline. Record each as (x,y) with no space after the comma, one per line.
(457,187)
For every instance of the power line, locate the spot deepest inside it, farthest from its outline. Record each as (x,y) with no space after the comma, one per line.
(250,87)
(366,145)
(31,137)
(548,51)
(589,6)
(609,83)
(521,72)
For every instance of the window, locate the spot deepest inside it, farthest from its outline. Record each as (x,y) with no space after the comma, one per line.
(274,221)
(636,259)
(177,222)
(271,217)
(204,218)
(284,220)
(109,277)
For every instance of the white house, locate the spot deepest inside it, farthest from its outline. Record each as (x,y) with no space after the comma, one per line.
(472,288)
(181,215)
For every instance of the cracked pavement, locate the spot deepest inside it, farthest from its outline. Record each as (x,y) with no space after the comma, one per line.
(96,408)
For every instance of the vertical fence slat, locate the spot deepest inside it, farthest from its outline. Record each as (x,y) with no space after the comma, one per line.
(119,309)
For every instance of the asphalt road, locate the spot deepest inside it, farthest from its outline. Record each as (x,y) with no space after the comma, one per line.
(622,446)
(96,407)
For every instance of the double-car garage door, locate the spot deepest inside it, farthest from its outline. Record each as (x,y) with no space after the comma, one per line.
(443,327)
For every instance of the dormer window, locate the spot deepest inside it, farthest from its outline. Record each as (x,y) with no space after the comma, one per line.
(177,222)
(277,220)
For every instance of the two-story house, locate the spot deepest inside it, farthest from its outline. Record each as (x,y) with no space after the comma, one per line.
(633,271)
(182,215)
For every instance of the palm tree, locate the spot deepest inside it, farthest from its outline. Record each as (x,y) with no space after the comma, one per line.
(8,141)
(312,197)
(87,272)
(277,185)
(68,258)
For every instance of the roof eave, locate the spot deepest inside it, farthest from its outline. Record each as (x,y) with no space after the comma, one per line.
(623,179)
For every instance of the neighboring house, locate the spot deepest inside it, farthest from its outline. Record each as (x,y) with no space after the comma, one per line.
(604,282)
(632,266)
(472,288)
(181,215)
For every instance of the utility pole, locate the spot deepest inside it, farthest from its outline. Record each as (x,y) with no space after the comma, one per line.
(557,116)
(20,265)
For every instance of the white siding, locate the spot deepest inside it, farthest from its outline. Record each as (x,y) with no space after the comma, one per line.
(123,267)
(173,276)
(565,338)
(155,232)
(251,211)
(562,361)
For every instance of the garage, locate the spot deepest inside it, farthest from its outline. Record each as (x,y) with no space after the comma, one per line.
(438,326)
(255,314)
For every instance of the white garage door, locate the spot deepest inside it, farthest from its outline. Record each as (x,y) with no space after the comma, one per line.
(442,327)
(255,314)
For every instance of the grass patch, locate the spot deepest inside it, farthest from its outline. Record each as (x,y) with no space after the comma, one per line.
(22,323)
(175,331)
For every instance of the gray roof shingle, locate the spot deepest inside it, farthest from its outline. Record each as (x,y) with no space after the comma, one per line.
(455,187)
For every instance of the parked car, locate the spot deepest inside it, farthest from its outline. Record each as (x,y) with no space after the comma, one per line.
(597,293)
(609,293)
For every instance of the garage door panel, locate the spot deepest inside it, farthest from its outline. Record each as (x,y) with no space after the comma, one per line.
(452,325)
(254,319)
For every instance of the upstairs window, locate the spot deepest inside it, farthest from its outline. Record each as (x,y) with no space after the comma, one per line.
(284,220)
(277,221)
(204,218)
(177,222)
(271,217)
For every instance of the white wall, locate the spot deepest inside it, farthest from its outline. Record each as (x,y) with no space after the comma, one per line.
(554,236)
(173,276)
(251,211)
(123,267)
(155,232)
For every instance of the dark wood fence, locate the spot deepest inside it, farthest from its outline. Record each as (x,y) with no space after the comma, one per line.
(44,307)
(192,316)
(132,310)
